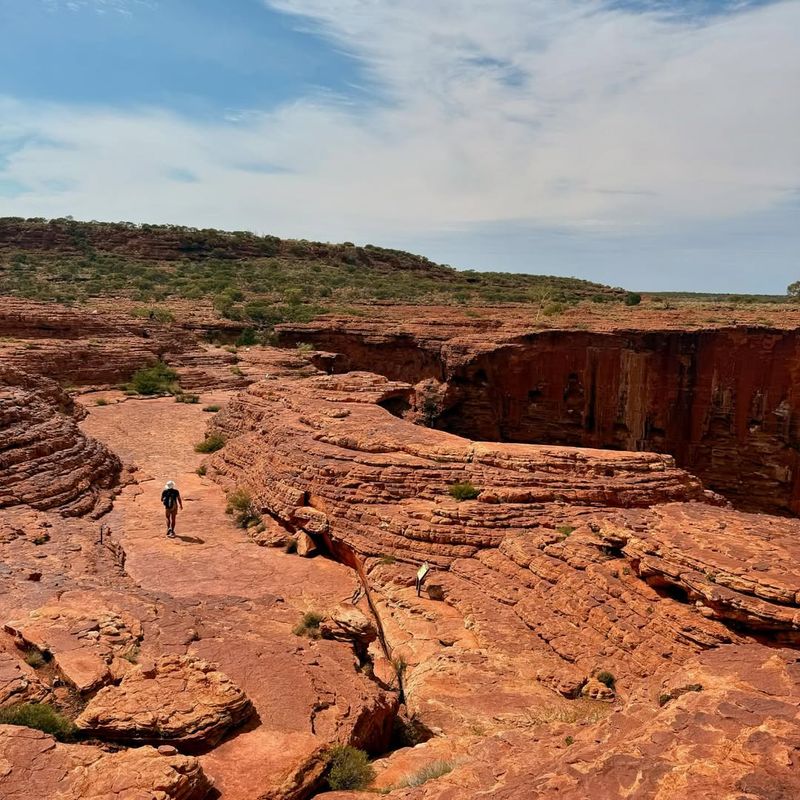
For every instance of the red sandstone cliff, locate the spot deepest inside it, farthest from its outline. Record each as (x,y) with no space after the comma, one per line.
(724,402)
(45,460)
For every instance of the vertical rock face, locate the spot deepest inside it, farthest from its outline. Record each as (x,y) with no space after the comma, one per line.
(45,460)
(724,402)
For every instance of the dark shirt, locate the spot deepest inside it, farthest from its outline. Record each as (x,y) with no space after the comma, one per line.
(170,497)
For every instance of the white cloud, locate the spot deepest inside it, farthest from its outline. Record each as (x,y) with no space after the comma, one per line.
(559,113)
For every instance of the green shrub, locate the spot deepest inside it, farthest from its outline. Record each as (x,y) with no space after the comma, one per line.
(212,443)
(40,716)
(132,655)
(187,398)
(34,658)
(211,409)
(309,625)
(606,678)
(569,740)
(463,491)
(158,379)
(247,338)
(349,768)
(428,773)
(240,505)
(551,309)
(632,299)
(101,402)
(201,470)
(290,546)
(305,348)
(566,530)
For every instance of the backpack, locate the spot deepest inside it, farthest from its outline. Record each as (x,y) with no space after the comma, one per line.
(168,497)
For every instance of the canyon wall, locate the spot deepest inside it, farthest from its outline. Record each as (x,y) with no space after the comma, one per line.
(724,402)
(46,462)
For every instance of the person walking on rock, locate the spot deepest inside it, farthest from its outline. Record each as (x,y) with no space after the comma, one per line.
(171,498)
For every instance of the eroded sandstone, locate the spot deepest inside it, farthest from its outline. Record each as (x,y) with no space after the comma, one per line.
(33,766)
(179,699)
(45,460)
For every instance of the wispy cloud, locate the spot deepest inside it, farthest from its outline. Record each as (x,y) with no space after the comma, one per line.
(576,115)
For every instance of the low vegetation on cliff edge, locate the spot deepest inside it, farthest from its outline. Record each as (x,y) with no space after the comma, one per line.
(260,280)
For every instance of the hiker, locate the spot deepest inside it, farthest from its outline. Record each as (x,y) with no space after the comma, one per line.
(171,498)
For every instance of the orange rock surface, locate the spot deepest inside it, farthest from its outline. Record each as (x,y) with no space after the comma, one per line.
(596,623)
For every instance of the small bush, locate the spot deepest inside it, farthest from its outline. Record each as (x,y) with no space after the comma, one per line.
(566,530)
(187,398)
(158,379)
(132,655)
(40,716)
(290,546)
(428,773)
(247,338)
(663,699)
(305,348)
(240,505)
(606,678)
(388,560)
(201,470)
(552,309)
(236,371)
(569,740)
(632,299)
(349,768)
(309,625)
(42,538)
(463,491)
(211,409)
(34,658)
(212,443)
(101,402)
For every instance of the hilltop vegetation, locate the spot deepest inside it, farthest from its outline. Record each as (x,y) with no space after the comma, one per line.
(258,279)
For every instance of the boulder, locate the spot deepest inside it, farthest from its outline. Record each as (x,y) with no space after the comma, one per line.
(181,700)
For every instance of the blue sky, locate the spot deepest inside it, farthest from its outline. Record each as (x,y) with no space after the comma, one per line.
(645,143)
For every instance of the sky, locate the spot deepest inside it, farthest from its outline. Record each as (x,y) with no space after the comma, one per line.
(650,144)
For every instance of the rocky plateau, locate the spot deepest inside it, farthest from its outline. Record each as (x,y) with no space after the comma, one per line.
(610,611)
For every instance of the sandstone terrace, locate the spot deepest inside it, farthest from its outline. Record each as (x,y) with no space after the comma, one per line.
(609,628)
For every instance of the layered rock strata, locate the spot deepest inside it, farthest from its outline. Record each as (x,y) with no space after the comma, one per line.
(723,401)
(574,578)
(45,460)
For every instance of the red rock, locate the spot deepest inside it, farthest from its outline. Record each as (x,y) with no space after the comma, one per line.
(722,400)
(186,702)
(34,766)
(45,460)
